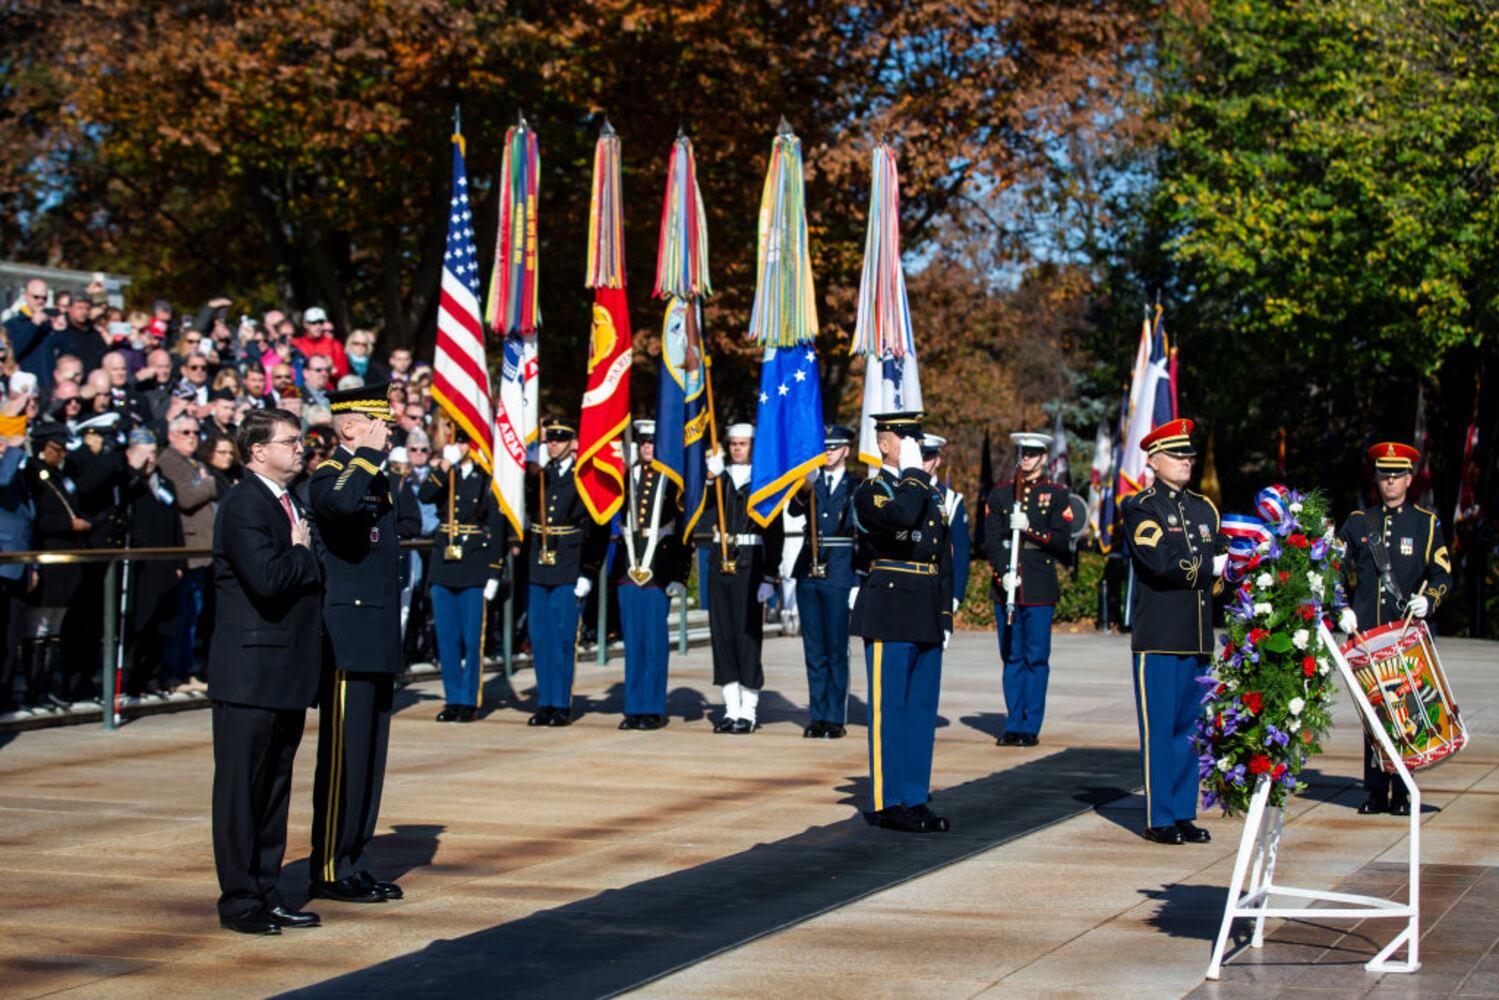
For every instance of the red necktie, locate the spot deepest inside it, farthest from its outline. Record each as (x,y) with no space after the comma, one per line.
(291,515)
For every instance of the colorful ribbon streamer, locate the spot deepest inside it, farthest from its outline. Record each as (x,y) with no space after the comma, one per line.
(512,305)
(785,310)
(682,254)
(606,238)
(883,328)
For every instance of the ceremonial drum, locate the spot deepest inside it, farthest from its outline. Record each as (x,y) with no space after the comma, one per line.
(1400,674)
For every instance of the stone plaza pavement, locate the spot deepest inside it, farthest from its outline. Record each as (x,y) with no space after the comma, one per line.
(588,861)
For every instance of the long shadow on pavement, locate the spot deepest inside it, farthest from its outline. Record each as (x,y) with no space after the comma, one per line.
(624,938)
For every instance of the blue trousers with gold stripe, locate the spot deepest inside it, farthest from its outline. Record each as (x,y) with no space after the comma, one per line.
(552,623)
(905,679)
(1025,648)
(458,615)
(642,614)
(1167,703)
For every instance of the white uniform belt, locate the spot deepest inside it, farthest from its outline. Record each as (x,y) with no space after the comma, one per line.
(739,539)
(833,540)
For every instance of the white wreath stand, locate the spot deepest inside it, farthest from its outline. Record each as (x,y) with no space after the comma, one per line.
(1260,844)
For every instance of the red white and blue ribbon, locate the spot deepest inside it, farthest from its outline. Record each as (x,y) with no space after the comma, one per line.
(883,327)
(785,309)
(682,254)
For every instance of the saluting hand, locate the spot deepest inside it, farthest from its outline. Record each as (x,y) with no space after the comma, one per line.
(376,435)
(301,533)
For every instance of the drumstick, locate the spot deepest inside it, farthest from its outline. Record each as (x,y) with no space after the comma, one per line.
(1410,611)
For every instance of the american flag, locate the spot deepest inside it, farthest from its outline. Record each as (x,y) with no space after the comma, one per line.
(461,376)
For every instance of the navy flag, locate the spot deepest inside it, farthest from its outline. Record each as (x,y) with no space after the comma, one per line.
(682,411)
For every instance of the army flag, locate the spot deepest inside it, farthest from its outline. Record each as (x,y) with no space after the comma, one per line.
(1152,402)
(600,469)
(882,330)
(788,433)
(460,373)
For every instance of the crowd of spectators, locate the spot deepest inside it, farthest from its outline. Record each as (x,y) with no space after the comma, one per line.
(118,428)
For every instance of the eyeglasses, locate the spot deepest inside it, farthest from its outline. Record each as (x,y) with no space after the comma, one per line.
(416,449)
(186,433)
(319,368)
(294,443)
(37,298)
(195,367)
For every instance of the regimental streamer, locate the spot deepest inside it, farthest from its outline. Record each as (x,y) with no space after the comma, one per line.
(785,311)
(682,254)
(606,238)
(883,328)
(512,305)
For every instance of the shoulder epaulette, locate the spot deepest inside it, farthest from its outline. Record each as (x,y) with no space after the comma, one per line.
(329,463)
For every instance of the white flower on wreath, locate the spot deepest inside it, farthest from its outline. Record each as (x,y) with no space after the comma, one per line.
(1296,705)
(1300,638)
(1264,581)
(1263,609)
(1225,764)
(1315,581)
(1295,725)
(1231,684)
(1323,666)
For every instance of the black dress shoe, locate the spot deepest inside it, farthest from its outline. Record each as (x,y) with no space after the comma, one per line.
(346,890)
(1373,806)
(387,889)
(833,731)
(560,717)
(285,917)
(650,722)
(450,713)
(1163,834)
(630,722)
(468,713)
(815,731)
(930,821)
(1008,739)
(901,819)
(743,727)
(724,725)
(255,922)
(1192,833)
(1401,808)
(52,701)
(1029,739)
(541,718)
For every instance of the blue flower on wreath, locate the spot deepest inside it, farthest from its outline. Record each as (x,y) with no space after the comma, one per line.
(1274,737)
(1237,775)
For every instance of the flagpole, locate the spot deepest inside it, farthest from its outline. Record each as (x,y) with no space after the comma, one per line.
(702,335)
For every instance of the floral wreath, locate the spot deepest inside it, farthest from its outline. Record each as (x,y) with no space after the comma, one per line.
(1268,700)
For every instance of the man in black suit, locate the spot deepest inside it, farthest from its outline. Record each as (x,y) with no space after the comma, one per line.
(263,671)
(355,513)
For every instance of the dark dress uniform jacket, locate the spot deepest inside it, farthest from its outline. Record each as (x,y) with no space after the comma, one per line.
(754,564)
(835,527)
(154,520)
(1041,545)
(669,560)
(907,596)
(267,641)
(481,530)
(1413,539)
(357,543)
(1172,537)
(569,528)
(55,498)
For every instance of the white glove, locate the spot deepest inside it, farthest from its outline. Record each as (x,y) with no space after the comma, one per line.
(715,463)
(1348,621)
(675,589)
(1019,522)
(490,589)
(1419,605)
(583,588)
(955,603)
(1011,583)
(910,454)
(1219,562)
(853,598)
(946,637)
(452,453)
(764,592)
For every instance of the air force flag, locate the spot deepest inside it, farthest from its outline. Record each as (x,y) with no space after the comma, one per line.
(788,429)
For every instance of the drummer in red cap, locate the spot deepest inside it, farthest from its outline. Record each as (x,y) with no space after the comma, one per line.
(1395,563)
(1174,546)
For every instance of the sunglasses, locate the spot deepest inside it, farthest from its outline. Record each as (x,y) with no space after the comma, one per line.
(194,367)
(319,368)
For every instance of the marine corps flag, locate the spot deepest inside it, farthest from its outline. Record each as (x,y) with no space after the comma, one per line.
(600,472)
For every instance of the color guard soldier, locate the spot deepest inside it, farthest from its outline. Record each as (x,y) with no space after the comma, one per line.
(743,564)
(1395,562)
(656,568)
(824,574)
(957,515)
(354,515)
(468,565)
(903,611)
(1174,540)
(1025,646)
(565,551)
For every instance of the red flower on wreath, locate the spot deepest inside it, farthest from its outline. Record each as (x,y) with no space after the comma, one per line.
(1308,666)
(1337,566)
(1280,769)
(1258,635)
(1298,540)
(1284,576)
(1307,612)
(1306,736)
(1259,764)
(1253,701)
